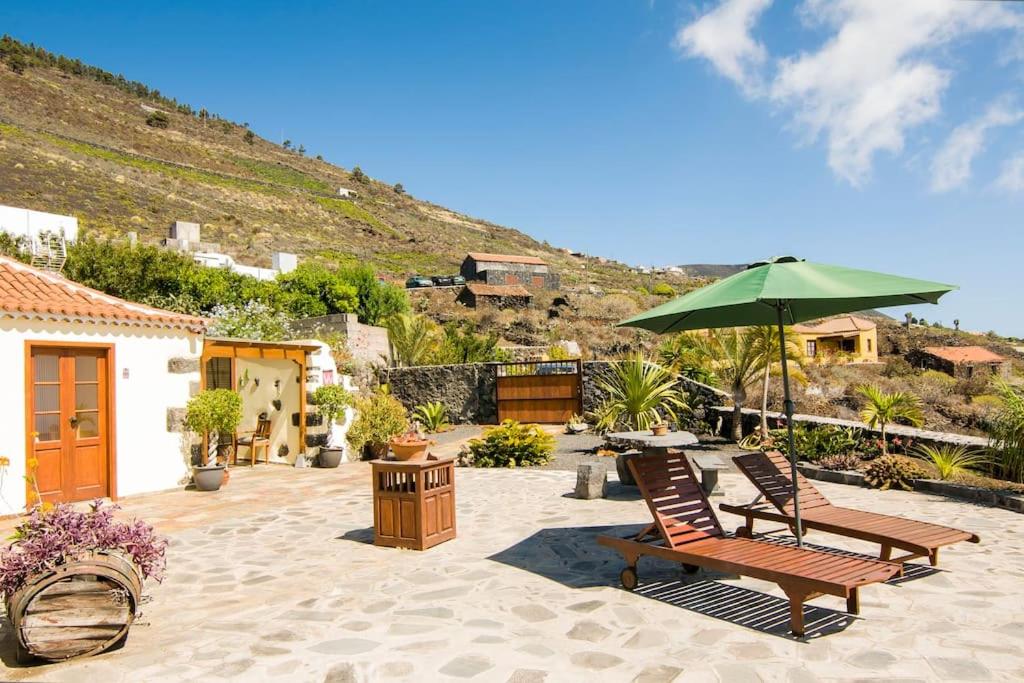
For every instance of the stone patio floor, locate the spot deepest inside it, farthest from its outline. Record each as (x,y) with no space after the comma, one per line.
(274,578)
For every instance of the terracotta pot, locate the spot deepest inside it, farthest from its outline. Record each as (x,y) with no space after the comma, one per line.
(410,450)
(659,430)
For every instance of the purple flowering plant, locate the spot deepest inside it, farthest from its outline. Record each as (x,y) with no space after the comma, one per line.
(53,535)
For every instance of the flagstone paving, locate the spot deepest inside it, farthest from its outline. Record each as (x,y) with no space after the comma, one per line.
(274,578)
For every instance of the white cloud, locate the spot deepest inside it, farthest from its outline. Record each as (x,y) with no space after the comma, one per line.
(951,166)
(1011,178)
(722,36)
(876,76)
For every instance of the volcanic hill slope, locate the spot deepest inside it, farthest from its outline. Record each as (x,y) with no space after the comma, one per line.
(73,144)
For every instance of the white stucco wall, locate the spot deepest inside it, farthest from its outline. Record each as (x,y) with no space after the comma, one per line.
(149,458)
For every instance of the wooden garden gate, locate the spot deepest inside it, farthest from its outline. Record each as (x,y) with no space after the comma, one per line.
(540,391)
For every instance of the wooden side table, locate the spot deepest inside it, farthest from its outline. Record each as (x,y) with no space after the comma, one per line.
(413,502)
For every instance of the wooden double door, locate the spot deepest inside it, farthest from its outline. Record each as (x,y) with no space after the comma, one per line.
(69,404)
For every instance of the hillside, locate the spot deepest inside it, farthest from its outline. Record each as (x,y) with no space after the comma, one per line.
(75,140)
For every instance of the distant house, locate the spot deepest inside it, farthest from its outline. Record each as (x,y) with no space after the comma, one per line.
(478,295)
(347,193)
(844,338)
(962,362)
(508,269)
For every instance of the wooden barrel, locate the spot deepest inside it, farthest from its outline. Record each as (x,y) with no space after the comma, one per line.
(79,609)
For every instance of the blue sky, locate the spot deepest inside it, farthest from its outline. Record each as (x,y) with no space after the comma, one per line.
(887,136)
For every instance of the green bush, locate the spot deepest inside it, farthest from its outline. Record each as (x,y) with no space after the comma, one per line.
(331,400)
(663,289)
(380,416)
(512,445)
(158,119)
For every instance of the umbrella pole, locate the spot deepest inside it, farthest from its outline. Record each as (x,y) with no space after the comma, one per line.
(788,408)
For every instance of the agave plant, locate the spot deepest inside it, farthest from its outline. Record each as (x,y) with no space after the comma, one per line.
(881,409)
(951,462)
(433,416)
(639,393)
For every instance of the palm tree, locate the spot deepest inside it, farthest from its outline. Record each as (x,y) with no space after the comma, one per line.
(1007,432)
(769,345)
(737,358)
(882,408)
(414,339)
(639,393)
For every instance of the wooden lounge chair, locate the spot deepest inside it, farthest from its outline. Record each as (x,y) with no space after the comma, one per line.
(686,530)
(770,473)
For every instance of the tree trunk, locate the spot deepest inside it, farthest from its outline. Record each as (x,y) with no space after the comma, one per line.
(885,444)
(739,396)
(764,403)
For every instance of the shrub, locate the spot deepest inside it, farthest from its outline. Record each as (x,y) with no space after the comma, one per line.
(331,400)
(380,417)
(898,366)
(882,409)
(358,175)
(663,289)
(433,416)
(840,461)
(158,119)
(399,189)
(638,393)
(557,352)
(1007,432)
(254,320)
(943,380)
(249,137)
(893,470)
(951,462)
(512,445)
(50,537)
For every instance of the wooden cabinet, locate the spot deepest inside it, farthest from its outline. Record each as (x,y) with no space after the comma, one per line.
(413,502)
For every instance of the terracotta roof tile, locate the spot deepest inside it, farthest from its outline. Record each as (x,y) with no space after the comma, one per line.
(481,257)
(964,354)
(841,325)
(481,289)
(30,292)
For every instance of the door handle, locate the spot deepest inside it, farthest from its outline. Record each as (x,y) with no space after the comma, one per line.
(73,420)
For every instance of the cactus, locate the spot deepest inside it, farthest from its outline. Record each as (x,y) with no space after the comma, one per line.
(891,470)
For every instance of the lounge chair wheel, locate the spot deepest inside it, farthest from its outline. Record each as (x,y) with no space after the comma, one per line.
(629,578)
(690,568)
(792,530)
(744,532)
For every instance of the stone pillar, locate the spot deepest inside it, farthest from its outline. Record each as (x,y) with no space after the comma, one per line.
(591,480)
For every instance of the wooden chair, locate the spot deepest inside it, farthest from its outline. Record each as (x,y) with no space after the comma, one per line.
(256,439)
(770,473)
(686,530)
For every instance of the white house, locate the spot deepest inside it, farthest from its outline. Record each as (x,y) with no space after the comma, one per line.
(29,224)
(95,388)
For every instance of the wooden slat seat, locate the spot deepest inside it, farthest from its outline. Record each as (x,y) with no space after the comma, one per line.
(770,473)
(690,533)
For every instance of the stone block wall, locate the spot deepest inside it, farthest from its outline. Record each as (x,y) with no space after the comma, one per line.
(468,391)
(366,343)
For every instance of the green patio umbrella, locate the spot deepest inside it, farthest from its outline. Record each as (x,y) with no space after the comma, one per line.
(785,291)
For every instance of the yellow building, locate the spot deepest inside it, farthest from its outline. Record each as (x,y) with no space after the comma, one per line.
(844,339)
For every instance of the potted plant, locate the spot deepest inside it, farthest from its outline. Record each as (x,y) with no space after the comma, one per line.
(214,413)
(659,427)
(409,446)
(380,416)
(331,400)
(96,563)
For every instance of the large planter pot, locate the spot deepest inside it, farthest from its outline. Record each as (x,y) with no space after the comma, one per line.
(330,457)
(80,608)
(376,450)
(410,450)
(208,478)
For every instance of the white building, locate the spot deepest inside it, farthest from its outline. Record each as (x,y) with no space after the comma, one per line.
(347,193)
(94,392)
(29,224)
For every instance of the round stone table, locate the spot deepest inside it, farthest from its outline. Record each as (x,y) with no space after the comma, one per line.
(647,444)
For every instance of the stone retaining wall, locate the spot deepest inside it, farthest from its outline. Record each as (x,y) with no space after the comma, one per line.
(467,391)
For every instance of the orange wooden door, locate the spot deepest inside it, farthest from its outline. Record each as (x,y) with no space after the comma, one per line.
(69,415)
